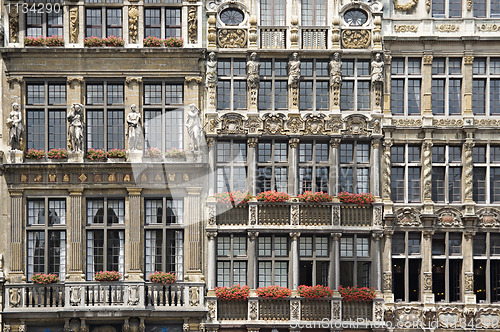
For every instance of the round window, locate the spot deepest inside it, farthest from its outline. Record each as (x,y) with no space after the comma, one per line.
(355,17)
(231,16)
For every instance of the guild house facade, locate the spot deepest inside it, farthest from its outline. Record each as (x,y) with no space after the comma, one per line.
(123,122)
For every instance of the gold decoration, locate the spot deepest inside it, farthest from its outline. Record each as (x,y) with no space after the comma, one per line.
(355,38)
(82,177)
(232,38)
(14,24)
(112,177)
(97,177)
(24,178)
(405,7)
(405,28)
(74,24)
(126,178)
(52,178)
(447,28)
(468,60)
(211,36)
(133,17)
(66,178)
(428,59)
(129,80)
(488,28)
(192,25)
(469,5)
(428,5)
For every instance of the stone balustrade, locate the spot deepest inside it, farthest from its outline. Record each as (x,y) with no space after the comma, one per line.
(94,295)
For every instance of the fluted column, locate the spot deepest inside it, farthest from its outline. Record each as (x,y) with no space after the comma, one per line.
(252,262)
(133,228)
(211,263)
(75,238)
(193,222)
(335,261)
(252,166)
(295,259)
(334,166)
(293,176)
(375,169)
(16,234)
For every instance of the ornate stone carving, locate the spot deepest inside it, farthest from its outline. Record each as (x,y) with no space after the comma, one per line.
(376,129)
(428,5)
(427,171)
(211,78)
(488,27)
(126,326)
(211,235)
(252,142)
(16,129)
(407,122)
(133,295)
(232,38)
(212,309)
(379,311)
(294,214)
(294,235)
(14,297)
(232,123)
(488,217)
(387,281)
(408,217)
(75,79)
(253,214)
(469,282)
(253,235)
(336,77)
(336,216)
(252,311)
(294,124)
(335,310)
(294,143)
(406,28)
(449,217)
(131,79)
(429,316)
(377,216)
(448,317)
(406,6)
(253,124)
(355,38)
(468,145)
(75,295)
(427,281)
(407,314)
(447,28)
(428,59)
(386,170)
(295,310)
(22,327)
(356,125)
(487,318)
(74,24)
(192,25)
(468,60)
(194,129)
(469,5)
(274,123)
(194,296)
(14,24)
(133,17)
(447,122)
(253,78)
(294,78)
(389,314)
(252,31)
(212,212)
(6,328)
(315,124)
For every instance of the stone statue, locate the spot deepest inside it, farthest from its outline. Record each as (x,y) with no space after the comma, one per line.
(253,67)
(73,24)
(211,78)
(294,70)
(377,69)
(16,128)
(336,69)
(193,125)
(75,119)
(134,129)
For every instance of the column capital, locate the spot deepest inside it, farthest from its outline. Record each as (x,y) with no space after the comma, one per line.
(377,236)
(75,79)
(131,79)
(211,235)
(75,191)
(335,142)
(134,191)
(191,79)
(15,80)
(376,144)
(469,234)
(16,192)
(336,236)
(252,142)
(253,235)
(468,60)
(294,142)
(295,235)
(388,232)
(428,59)
(428,234)
(193,191)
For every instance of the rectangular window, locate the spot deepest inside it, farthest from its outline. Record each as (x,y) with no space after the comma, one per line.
(272,261)
(355,261)
(152,22)
(446,8)
(103,19)
(313,169)
(272,12)
(406,261)
(447,266)
(272,166)
(231,260)
(173,22)
(446,174)
(405,173)
(232,85)
(447,86)
(313,12)
(47,24)
(273,87)
(355,167)
(483,8)
(231,166)
(355,90)
(313,88)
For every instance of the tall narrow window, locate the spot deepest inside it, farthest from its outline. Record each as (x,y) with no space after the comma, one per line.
(355,90)
(232,260)
(103,22)
(314,260)
(447,8)
(406,83)
(273,87)
(272,12)
(313,166)
(405,173)
(486,86)
(486,253)
(355,260)
(231,165)
(355,167)
(447,86)
(45,23)
(313,12)
(232,85)
(406,262)
(447,266)
(314,85)
(272,166)
(272,260)
(484,8)
(447,174)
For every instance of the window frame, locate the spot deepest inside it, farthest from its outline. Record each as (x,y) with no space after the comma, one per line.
(45,26)
(273,259)
(273,164)
(447,78)
(488,77)
(406,77)
(232,164)
(447,165)
(354,166)
(231,258)
(487,258)
(447,9)
(314,164)
(274,79)
(406,256)
(315,80)
(233,80)
(406,165)
(447,257)
(104,26)
(315,259)
(355,258)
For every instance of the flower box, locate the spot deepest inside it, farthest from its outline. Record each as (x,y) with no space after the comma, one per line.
(93,42)
(57,154)
(96,155)
(45,279)
(54,41)
(117,153)
(107,276)
(233,293)
(34,41)
(114,41)
(163,277)
(362,294)
(153,153)
(152,41)
(272,196)
(273,292)
(175,153)
(34,154)
(173,42)
(318,197)
(359,199)
(315,292)
(233,197)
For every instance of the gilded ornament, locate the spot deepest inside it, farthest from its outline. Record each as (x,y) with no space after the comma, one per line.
(405,7)
(133,16)
(488,28)
(73,24)
(447,28)
(192,25)
(355,38)
(468,60)
(14,24)
(428,59)
(406,28)
(232,38)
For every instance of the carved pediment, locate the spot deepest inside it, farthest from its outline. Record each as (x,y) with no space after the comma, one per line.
(408,217)
(356,125)
(449,217)
(488,217)
(232,123)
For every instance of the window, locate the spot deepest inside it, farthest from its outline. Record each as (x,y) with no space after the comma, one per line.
(355,260)
(105,115)
(406,266)
(163,115)
(406,81)
(446,8)
(157,17)
(46,115)
(447,174)
(485,8)
(232,85)
(314,259)
(486,86)
(313,167)
(355,167)
(272,260)
(313,12)
(446,266)
(486,160)
(45,23)
(45,228)
(314,85)
(231,165)
(232,260)
(272,12)
(405,173)
(355,90)
(105,235)
(272,166)
(273,87)
(447,86)
(103,22)
(486,255)
(164,235)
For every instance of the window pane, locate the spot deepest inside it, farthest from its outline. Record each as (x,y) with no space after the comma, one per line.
(116,134)
(35,131)
(114,22)
(95,129)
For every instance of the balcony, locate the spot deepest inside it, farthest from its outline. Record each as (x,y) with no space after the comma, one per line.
(272,37)
(96,295)
(314,38)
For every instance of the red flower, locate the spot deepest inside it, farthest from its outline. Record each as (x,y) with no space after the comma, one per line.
(236,292)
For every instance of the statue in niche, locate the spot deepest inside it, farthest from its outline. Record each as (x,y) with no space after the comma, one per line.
(134,129)
(75,119)
(294,70)
(377,69)
(211,78)
(336,69)
(16,128)
(193,125)
(253,67)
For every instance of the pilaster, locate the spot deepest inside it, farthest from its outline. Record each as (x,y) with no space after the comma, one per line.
(334,165)
(375,170)
(426,281)
(377,260)
(193,221)
(427,89)
(467,87)
(252,262)
(133,228)
(293,176)
(75,236)
(252,164)
(16,236)
(295,258)
(468,177)
(211,263)
(427,175)
(335,264)
(211,165)
(386,177)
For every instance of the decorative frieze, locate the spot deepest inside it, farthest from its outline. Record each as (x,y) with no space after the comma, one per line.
(447,28)
(192,25)
(405,122)
(447,122)
(406,28)
(408,217)
(406,6)
(133,17)
(488,27)
(356,38)
(232,38)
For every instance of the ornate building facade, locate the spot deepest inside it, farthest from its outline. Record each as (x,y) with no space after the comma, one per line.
(122,120)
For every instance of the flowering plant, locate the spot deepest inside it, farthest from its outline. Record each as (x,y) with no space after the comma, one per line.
(272,196)
(175,153)
(318,197)
(152,41)
(233,197)
(93,42)
(57,154)
(315,292)
(54,41)
(117,153)
(163,277)
(35,154)
(114,41)
(107,276)
(34,41)
(173,42)
(359,199)
(273,292)
(96,154)
(44,279)
(236,292)
(153,153)
(357,294)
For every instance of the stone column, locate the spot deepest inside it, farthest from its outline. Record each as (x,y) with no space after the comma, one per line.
(334,280)
(427,89)
(375,169)
(333,184)
(387,87)
(193,221)
(75,236)
(377,259)
(132,92)
(293,173)
(211,166)
(133,228)
(468,169)
(467,86)
(386,173)
(211,263)
(252,262)
(16,236)
(468,267)
(252,164)
(192,90)
(426,283)
(387,262)
(427,176)
(295,259)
